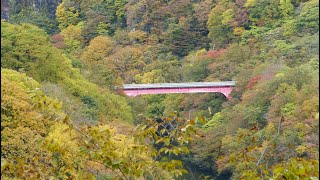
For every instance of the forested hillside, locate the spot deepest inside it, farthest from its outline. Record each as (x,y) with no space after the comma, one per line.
(64,115)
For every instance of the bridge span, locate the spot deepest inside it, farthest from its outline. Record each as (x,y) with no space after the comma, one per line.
(224,87)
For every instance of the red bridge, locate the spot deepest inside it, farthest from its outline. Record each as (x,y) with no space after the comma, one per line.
(224,87)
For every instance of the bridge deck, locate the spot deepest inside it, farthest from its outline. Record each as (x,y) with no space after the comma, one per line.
(179,85)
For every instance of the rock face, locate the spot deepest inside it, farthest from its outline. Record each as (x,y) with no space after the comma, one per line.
(4,9)
(11,7)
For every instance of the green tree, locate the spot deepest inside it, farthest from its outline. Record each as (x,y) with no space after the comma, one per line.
(72,38)
(220,33)
(308,17)
(67,16)
(195,65)
(286,8)
(264,13)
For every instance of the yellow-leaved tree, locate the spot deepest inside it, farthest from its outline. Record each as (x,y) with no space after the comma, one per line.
(27,117)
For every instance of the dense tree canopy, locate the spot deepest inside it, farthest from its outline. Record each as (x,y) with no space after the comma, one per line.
(64,115)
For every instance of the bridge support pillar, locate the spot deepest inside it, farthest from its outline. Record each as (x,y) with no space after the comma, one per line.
(226,93)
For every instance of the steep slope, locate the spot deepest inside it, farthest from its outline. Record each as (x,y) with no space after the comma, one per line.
(28,50)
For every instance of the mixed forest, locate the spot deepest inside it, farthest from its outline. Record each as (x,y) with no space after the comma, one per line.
(64,115)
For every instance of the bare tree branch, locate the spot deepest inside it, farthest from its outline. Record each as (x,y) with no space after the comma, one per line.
(264,151)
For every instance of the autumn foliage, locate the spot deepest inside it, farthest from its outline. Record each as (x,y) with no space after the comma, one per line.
(64,115)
